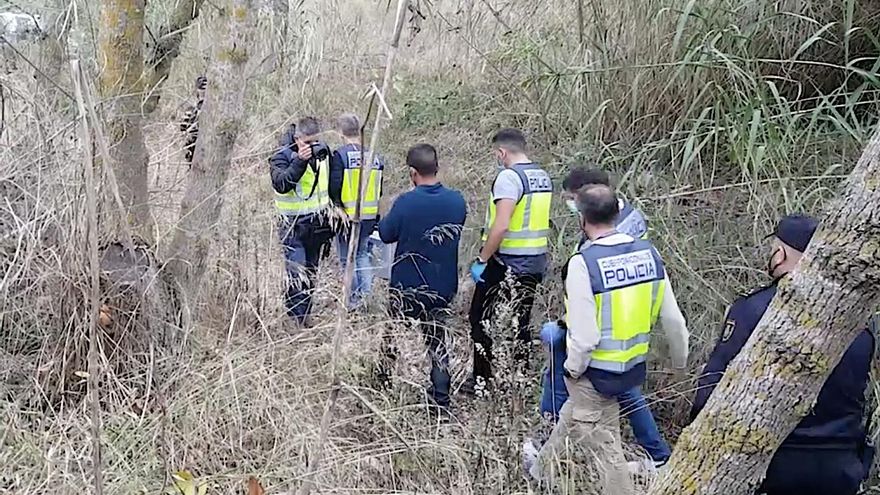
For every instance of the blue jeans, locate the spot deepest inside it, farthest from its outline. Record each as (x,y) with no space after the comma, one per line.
(305,242)
(432,323)
(363,273)
(634,407)
(435,340)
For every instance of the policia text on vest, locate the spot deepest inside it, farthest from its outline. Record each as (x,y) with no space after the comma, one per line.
(530,223)
(627,281)
(351,157)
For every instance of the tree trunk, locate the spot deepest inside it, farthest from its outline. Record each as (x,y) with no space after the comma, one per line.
(817,313)
(121,86)
(53,56)
(166,47)
(219,124)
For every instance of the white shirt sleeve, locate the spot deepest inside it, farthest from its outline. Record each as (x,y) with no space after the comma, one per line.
(583,328)
(507,185)
(675,327)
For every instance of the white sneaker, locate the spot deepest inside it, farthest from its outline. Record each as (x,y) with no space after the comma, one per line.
(530,460)
(642,467)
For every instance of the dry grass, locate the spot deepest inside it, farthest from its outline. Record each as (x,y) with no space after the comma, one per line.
(673,97)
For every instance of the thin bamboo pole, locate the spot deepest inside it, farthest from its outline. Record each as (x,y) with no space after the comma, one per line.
(365,165)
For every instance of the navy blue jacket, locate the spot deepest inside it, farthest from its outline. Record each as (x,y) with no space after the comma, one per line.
(426,224)
(836,418)
(285,166)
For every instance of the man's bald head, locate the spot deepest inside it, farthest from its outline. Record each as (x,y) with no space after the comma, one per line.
(598,204)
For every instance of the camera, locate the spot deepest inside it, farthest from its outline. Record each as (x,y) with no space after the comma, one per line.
(320,151)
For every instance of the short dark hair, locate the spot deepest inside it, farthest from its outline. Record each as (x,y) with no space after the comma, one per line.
(598,204)
(423,158)
(583,176)
(307,126)
(510,138)
(349,125)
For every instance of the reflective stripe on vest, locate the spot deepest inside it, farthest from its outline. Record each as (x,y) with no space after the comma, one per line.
(628,282)
(530,222)
(351,158)
(297,201)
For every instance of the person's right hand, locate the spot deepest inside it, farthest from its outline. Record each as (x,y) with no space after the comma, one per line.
(551,333)
(305,153)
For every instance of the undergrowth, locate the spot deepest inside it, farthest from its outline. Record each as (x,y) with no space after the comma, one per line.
(714,116)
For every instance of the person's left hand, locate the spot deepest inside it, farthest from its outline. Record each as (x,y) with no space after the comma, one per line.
(477,269)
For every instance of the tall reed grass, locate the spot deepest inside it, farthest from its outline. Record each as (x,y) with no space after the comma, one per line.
(714,116)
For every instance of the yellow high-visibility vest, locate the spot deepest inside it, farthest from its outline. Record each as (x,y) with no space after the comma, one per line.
(628,282)
(311,194)
(351,159)
(530,223)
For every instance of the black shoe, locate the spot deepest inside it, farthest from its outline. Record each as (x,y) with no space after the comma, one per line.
(439,414)
(474,387)
(469,387)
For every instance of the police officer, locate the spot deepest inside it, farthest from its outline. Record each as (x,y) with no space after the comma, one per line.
(616,289)
(631,220)
(827,453)
(514,244)
(300,177)
(344,183)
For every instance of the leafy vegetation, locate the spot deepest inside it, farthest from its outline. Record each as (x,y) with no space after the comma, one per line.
(715,116)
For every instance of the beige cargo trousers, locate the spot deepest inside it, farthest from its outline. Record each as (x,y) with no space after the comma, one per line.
(589,425)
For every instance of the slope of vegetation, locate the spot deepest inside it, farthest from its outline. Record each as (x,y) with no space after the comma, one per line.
(715,116)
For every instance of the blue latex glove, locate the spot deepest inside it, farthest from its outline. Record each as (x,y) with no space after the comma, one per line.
(552,333)
(477,269)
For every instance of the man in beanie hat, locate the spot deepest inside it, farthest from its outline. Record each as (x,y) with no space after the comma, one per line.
(828,453)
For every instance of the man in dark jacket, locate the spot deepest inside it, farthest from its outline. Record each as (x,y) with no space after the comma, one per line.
(426,224)
(300,175)
(828,452)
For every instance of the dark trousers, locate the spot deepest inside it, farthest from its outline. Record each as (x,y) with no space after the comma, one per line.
(305,241)
(432,324)
(807,471)
(495,291)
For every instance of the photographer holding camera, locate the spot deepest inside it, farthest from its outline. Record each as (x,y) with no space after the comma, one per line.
(300,173)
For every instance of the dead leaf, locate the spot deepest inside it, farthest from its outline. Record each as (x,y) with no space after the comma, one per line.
(254,487)
(104,316)
(185,484)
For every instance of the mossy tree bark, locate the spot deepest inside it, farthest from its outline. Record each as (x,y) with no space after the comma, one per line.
(121,83)
(166,48)
(219,124)
(817,312)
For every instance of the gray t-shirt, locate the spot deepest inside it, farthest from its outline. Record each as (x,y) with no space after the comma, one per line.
(508,185)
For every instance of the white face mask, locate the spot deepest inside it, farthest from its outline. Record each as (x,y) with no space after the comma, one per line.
(572,205)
